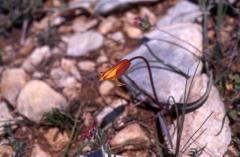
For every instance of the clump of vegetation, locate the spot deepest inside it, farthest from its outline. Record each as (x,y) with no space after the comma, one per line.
(14,12)
(19,146)
(49,37)
(58,119)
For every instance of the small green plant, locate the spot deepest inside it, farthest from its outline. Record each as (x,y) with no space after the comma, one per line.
(49,37)
(19,147)
(16,11)
(142,22)
(58,119)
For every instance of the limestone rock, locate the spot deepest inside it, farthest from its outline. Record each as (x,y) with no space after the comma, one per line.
(105,87)
(82,25)
(87,65)
(177,14)
(81,44)
(69,66)
(37,57)
(37,98)
(133,32)
(133,132)
(13,80)
(215,145)
(172,51)
(118,37)
(107,25)
(106,6)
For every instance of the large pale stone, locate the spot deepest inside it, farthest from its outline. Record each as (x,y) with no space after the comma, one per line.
(87,65)
(106,6)
(81,44)
(107,25)
(167,82)
(37,98)
(36,58)
(132,132)
(215,145)
(82,24)
(177,14)
(13,80)
(106,87)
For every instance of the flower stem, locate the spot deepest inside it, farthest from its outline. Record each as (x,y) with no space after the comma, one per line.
(149,72)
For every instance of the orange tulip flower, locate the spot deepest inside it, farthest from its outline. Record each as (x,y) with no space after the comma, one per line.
(116,71)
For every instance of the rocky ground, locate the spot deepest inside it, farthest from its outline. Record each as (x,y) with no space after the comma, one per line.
(52,103)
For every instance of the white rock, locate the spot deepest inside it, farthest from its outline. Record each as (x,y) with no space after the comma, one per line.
(38,152)
(5,116)
(37,56)
(231,1)
(87,65)
(102,58)
(107,25)
(86,4)
(132,32)
(167,82)
(69,82)
(118,37)
(59,75)
(69,66)
(37,98)
(37,75)
(56,142)
(129,18)
(72,88)
(177,14)
(106,6)
(133,132)
(27,66)
(56,3)
(82,25)
(13,80)
(105,87)
(215,145)
(57,21)
(81,44)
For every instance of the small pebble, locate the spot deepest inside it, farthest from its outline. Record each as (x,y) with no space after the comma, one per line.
(106,87)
